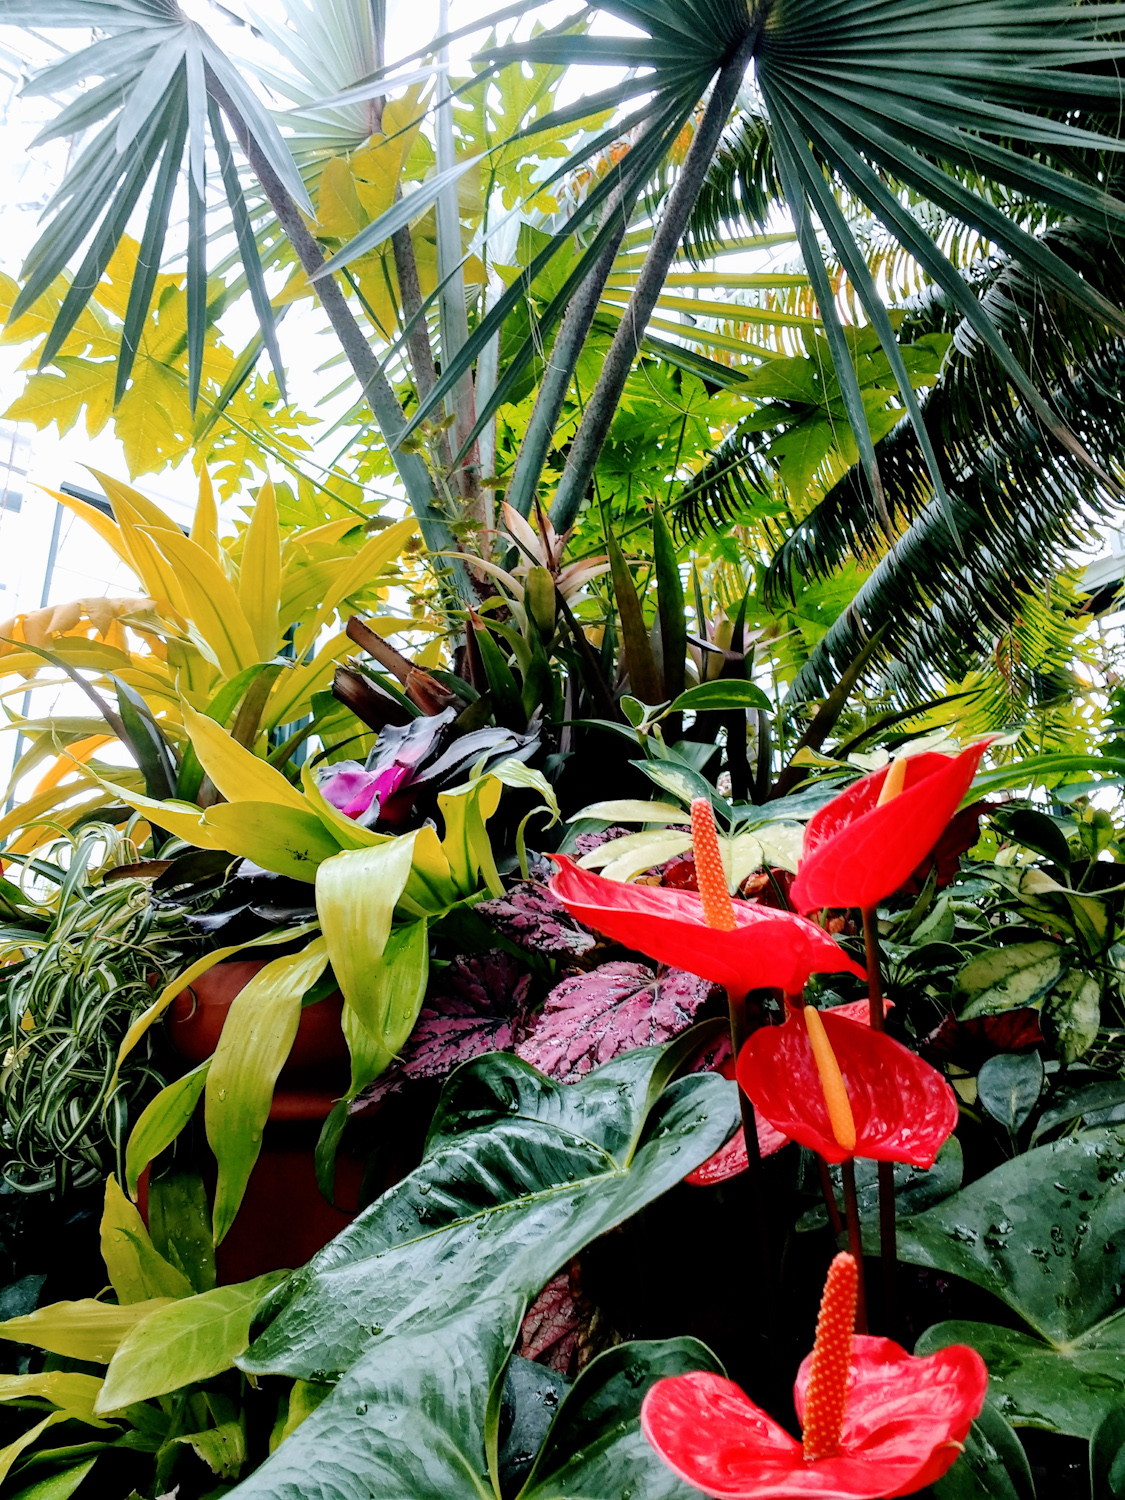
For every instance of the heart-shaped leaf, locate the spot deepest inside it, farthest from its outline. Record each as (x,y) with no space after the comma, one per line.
(915,1189)
(1060,1389)
(1045,1233)
(565,1163)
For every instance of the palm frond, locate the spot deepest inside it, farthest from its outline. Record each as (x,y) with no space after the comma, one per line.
(164,80)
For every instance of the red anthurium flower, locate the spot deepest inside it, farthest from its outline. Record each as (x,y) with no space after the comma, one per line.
(878,1423)
(901,1108)
(731,1160)
(859,849)
(763,948)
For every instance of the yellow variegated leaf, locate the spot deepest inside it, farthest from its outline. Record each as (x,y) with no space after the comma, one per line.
(147,512)
(153,568)
(205,522)
(137,1271)
(211,603)
(259,578)
(293,690)
(465,811)
(72,1392)
(240,775)
(108,530)
(356,894)
(80,1330)
(365,566)
(255,1041)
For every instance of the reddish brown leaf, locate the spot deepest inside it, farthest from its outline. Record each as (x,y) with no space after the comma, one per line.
(969,1044)
(552,1326)
(590,1018)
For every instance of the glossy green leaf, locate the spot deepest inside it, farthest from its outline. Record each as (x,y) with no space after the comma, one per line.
(1060,1268)
(161,1121)
(993,1465)
(179,1218)
(1006,978)
(1107,1456)
(1059,1389)
(564,1162)
(356,894)
(137,1272)
(915,1189)
(184,1342)
(59,1486)
(256,1038)
(1009,1085)
(724,693)
(1072,1014)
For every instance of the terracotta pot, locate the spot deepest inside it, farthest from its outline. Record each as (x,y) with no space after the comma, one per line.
(195,1019)
(284,1219)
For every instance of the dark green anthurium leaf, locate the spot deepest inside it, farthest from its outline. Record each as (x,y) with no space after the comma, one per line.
(915,1189)
(1062,1267)
(1035,830)
(1107,1457)
(518,1175)
(1067,1389)
(595,1445)
(721,694)
(1046,1234)
(1077,1099)
(1009,1085)
(993,1465)
(411,1418)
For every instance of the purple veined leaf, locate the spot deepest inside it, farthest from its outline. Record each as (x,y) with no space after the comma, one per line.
(586,843)
(552,1326)
(475,1005)
(529,915)
(590,1018)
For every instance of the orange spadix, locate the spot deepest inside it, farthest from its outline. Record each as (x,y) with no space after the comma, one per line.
(718,908)
(827,1390)
(831,1081)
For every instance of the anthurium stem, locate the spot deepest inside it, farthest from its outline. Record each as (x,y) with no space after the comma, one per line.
(888,1248)
(738,1032)
(830,1197)
(855,1239)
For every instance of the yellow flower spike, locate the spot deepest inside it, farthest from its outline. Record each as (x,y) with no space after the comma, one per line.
(893,782)
(831,1081)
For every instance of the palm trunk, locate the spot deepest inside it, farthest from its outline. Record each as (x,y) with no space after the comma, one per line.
(376,387)
(602,405)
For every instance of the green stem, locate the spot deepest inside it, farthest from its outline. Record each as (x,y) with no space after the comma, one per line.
(888,1232)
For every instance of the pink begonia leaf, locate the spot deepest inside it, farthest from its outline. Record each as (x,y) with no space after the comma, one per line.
(529,915)
(476,1005)
(590,1018)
